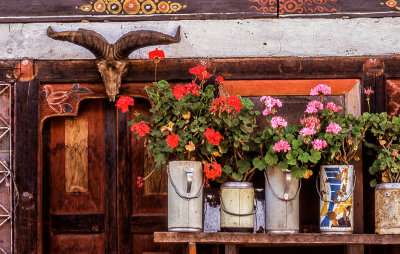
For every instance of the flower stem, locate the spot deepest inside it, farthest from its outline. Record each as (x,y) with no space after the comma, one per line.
(155,72)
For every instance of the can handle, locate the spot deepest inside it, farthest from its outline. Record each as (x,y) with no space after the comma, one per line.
(189,180)
(332,201)
(236,214)
(288,180)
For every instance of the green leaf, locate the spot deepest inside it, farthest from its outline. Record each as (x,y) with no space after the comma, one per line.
(237,176)
(271,159)
(315,156)
(296,143)
(243,166)
(298,172)
(283,164)
(304,157)
(373,183)
(227,169)
(259,164)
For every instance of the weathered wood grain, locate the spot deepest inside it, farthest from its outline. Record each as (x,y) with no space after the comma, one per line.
(110,175)
(277,239)
(76,155)
(85,71)
(124,183)
(77,223)
(26,114)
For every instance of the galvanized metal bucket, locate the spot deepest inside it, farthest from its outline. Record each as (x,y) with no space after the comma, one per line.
(237,207)
(387,208)
(336,187)
(185,196)
(281,201)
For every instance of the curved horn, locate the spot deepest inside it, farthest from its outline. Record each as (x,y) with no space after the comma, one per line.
(138,39)
(88,39)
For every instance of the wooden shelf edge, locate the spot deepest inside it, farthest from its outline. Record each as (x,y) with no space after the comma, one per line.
(276,239)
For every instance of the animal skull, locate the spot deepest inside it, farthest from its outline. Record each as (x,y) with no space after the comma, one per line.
(113,59)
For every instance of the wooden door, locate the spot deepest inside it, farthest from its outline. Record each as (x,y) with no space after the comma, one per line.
(91,203)
(80,181)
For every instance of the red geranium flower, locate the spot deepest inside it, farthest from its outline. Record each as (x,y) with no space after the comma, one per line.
(179,92)
(235,103)
(141,128)
(220,80)
(212,170)
(172,140)
(139,182)
(157,55)
(222,104)
(213,137)
(199,71)
(193,88)
(124,102)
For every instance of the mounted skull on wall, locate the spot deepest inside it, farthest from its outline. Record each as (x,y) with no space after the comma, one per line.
(112,59)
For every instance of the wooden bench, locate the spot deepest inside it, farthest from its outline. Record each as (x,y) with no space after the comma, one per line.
(354,242)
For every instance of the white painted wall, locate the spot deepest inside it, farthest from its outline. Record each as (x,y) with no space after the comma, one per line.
(220,38)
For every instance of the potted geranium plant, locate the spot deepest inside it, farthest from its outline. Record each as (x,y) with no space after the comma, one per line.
(341,135)
(234,119)
(386,170)
(286,153)
(177,133)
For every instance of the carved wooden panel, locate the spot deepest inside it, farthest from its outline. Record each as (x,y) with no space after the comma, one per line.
(76,155)
(76,10)
(329,8)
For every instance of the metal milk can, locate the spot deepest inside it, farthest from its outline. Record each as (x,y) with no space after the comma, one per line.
(387,208)
(281,201)
(337,184)
(237,207)
(185,196)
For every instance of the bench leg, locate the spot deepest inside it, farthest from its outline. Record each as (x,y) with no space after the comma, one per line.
(231,249)
(355,249)
(191,248)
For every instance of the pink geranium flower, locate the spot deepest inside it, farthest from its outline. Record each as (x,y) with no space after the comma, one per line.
(282,145)
(278,121)
(333,128)
(395,153)
(318,144)
(311,122)
(270,104)
(332,106)
(306,131)
(321,89)
(313,107)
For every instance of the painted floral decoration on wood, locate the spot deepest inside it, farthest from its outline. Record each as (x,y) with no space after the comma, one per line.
(57,99)
(131,7)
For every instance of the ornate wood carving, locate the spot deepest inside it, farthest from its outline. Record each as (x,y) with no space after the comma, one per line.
(393,93)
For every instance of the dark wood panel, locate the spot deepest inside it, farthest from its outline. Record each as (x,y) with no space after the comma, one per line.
(119,10)
(337,8)
(124,183)
(82,244)
(77,223)
(110,174)
(145,224)
(229,68)
(25,167)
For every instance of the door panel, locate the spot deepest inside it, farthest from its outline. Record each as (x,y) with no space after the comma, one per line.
(78,184)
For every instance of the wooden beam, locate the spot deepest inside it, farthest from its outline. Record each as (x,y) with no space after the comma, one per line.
(355,249)
(26,114)
(231,249)
(314,239)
